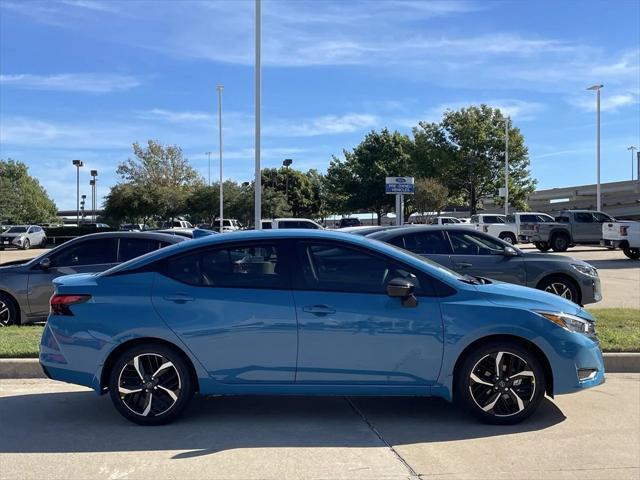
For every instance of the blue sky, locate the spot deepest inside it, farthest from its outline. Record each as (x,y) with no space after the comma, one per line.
(84,79)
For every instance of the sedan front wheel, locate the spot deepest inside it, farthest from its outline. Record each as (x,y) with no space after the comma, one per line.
(500,383)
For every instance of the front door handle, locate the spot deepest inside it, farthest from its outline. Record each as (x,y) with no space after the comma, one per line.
(464,265)
(179,298)
(318,309)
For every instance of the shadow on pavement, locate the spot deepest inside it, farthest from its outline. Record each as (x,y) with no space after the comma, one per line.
(82,422)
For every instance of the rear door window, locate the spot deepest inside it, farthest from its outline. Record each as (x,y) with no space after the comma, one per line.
(427,243)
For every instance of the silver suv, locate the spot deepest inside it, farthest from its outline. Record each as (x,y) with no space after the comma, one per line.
(23,237)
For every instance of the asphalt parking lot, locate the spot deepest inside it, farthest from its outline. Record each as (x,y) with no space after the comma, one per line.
(54,430)
(620,276)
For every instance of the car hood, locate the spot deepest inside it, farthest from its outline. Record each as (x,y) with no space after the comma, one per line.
(510,295)
(13,235)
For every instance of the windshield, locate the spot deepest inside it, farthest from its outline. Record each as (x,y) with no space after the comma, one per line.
(17,230)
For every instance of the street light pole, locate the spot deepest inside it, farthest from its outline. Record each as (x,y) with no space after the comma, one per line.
(94,196)
(632,149)
(286,162)
(506,166)
(598,197)
(219,88)
(78,164)
(258,68)
(209,155)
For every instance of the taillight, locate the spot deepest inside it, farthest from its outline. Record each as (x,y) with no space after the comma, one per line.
(624,229)
(60,303)
(485,228)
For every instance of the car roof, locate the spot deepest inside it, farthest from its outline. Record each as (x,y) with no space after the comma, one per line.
(419,228)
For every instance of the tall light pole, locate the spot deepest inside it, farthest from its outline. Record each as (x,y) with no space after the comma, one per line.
(219,88)
(632,149)
(506,166)
(208,154)
(258,179)
(77,164)
(598,197)
(94,196)
(84,197)
(286,162)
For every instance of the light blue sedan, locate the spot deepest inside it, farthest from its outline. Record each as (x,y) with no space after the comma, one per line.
(303,312)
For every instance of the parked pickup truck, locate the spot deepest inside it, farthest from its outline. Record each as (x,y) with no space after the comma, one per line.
(572,227)
(624,235)
(511,231)
(290,223)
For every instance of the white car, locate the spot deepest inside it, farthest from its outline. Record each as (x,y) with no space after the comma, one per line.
(228,225)
(444,221)
(291,223)
(23,237)
(624,235)
(518,226)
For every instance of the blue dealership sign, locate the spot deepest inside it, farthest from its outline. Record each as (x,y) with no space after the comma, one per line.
(399,185)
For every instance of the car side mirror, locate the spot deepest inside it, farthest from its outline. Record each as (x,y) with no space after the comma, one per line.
(510,252)
(45,263)
(403,289)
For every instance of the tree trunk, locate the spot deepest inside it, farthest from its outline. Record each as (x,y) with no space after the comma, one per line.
(472,200)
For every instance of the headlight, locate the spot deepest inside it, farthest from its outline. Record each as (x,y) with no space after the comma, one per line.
(570,322)
(586,269)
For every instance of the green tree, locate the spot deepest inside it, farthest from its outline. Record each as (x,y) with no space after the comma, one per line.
(22,198)
(466,152)
(358,180)
(162,176)
(430,196)
(127,204)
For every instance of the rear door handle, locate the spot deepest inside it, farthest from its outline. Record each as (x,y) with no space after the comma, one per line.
(464,265)
(318,309)
(179,298)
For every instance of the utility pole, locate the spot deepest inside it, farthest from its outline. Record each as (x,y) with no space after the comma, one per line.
(219,88)
(598,196)
(94,196)
(77,164)
(209,155)
(258,179)
(506,166)
(632,149)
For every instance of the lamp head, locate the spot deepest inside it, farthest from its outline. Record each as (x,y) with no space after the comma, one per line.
(77,163)
(94,173)
(595,87)
(287,161)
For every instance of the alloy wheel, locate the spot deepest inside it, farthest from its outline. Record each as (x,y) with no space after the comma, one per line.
(149,384)
(502,384)
(5,314)
(560,289)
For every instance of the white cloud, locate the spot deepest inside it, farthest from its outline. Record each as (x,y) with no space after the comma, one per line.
(323,125)
(176,116)
(608,103)
(72,82)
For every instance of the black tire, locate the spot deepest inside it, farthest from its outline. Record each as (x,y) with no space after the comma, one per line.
(561,286)
(560,242)
(173,387)
(509,238)
(9,312)
(632,253)
(44,243)
(26,245)
(542,246)
(508,400)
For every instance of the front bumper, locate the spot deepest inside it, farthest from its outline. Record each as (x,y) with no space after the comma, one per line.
(591,289)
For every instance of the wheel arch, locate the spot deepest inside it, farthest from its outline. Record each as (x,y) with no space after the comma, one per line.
(540,355)
(562,276)
(113,355)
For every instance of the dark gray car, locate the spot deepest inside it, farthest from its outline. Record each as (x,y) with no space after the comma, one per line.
(480,255)
(25,288)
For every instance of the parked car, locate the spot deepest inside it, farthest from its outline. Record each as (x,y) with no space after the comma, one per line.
(481,255)
(25,287)
(349,222)
(132,227)
(572,227)
(624,235)
(510,231)
(177,224)
(187,232)
(97,226)
(364,229)
(483,219)
(443,220)
(23,237)
(278,223)
(312,313)
(228,225)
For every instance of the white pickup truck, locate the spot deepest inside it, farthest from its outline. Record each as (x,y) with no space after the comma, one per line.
(624,235)
(516,226)
(445,221)
(291,223)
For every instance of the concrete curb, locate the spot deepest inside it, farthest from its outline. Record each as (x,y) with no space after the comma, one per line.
(18,368)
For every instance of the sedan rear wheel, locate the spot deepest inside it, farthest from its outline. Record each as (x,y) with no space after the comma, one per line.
(501,383)
(150,384)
